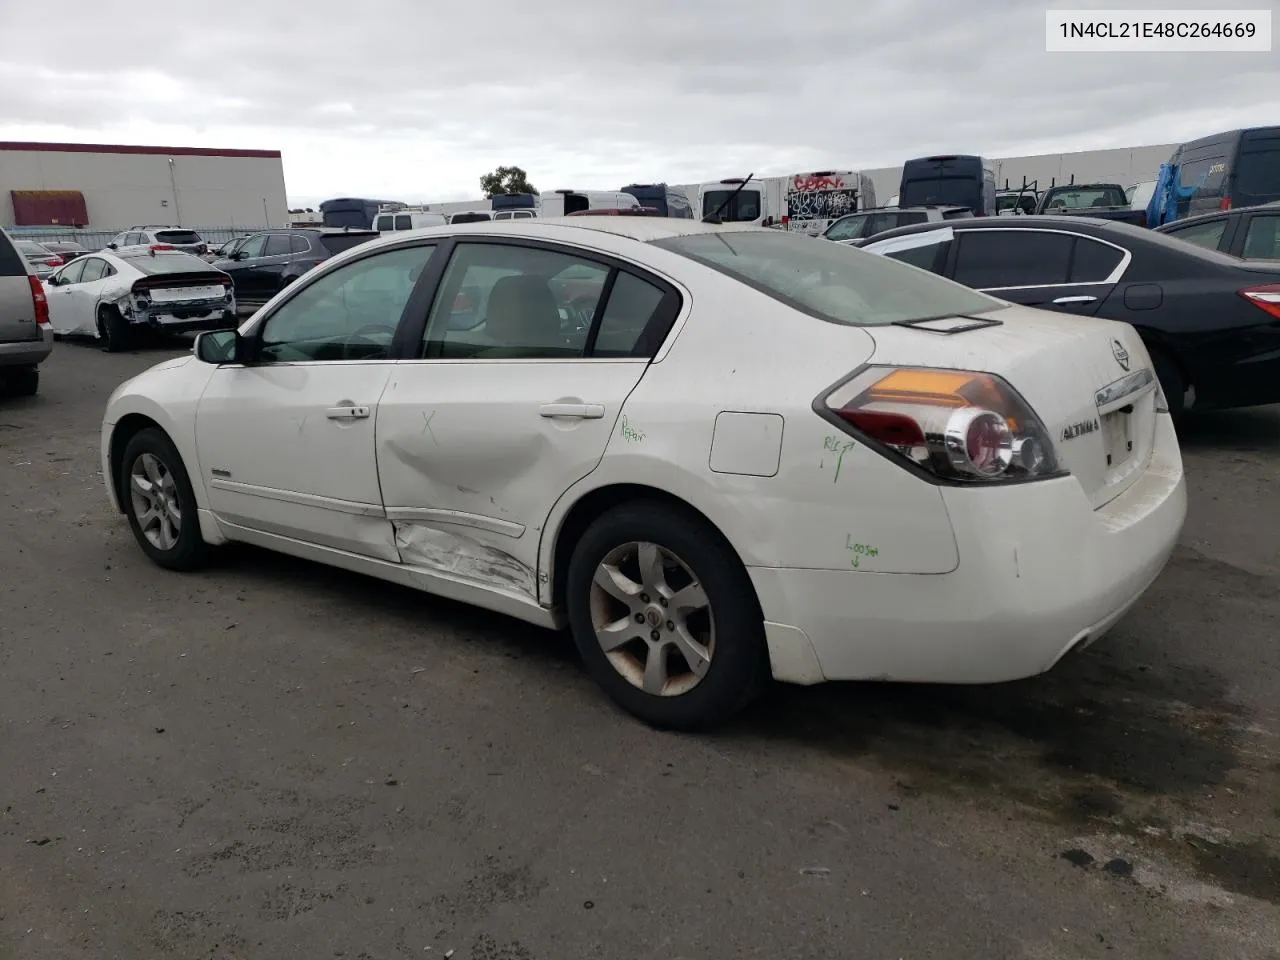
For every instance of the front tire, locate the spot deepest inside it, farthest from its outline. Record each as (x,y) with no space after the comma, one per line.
(665,617)
(160,503)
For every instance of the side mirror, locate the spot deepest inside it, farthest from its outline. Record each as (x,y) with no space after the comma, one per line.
(52,280)
(113,246)
(219,346)
(235,255)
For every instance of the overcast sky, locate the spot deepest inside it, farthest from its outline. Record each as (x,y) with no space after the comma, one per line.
(415,99)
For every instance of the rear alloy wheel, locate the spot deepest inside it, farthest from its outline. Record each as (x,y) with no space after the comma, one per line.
(665,617)
(159,502)
(113,329)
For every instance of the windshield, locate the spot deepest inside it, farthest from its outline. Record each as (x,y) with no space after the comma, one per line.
(1087,197)
(830,281)
(1258,176)
(168,263)
(177,236)
(744,207)
(30,248)
(847,228)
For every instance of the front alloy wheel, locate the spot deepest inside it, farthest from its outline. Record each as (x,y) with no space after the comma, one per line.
(157,498)
(156,503)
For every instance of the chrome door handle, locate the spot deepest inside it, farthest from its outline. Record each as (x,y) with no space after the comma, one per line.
(348,412)
(1075,300)
(577,411)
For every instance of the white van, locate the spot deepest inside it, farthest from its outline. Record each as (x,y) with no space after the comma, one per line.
(750,204)
(386,223)
(560,203)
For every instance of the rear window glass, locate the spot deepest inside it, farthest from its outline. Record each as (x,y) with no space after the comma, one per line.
(1087,197)
(11,264)
(178,236)
(1258,174)
(168,263)
(829,280)
(385,222)
(29,248)
(469,217)
(337,242)
(404,222)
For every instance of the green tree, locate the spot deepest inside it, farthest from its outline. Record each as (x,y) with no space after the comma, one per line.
(506,180)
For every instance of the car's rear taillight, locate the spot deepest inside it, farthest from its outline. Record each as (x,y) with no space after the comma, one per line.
(54,261)
(39,301)
(1266,297)
(1225,204)
(161,246)
(956,425)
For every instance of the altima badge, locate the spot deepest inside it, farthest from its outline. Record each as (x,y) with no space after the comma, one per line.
(1120,353)
(1074,430)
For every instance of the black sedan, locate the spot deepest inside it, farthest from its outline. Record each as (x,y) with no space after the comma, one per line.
(1210,321)
(1249,232)
(263,264)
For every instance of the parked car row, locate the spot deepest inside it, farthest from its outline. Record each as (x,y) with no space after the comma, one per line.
(1208,320)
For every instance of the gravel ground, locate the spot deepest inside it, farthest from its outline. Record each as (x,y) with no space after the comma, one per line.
(273,759)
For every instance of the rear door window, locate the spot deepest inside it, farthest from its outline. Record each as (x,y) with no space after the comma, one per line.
(385,222)
(850,228)
(991,259)
(1207,235)
(298,244)
(1093,262)
(1262,237)
(94,269)
(72,272)
(404,222)
(277,245)
(631,308)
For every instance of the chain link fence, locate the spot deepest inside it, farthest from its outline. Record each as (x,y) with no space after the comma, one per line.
(93,240)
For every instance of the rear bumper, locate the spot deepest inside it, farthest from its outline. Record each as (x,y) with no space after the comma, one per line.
(27,353)
(220,316)
(1040,573)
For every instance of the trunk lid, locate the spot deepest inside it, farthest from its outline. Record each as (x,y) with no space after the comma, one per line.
(1090,381)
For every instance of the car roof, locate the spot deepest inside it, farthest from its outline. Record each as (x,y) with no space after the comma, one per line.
(644,229)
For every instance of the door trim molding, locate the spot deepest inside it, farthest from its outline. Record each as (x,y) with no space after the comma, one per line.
(457,518)
(354,508)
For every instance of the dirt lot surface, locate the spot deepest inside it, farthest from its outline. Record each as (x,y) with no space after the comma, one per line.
(273,759)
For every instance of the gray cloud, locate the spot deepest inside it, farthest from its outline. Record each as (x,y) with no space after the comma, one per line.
(418,98)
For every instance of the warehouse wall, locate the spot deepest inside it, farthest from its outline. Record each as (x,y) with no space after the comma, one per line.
(121,189)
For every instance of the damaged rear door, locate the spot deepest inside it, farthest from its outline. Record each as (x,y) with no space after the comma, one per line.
(528,354)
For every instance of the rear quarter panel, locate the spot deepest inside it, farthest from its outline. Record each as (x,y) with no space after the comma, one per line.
(740,351)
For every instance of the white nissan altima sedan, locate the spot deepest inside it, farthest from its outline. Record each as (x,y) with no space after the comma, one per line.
(715,452)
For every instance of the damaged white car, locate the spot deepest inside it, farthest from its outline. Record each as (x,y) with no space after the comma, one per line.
(113,296)
(715,452)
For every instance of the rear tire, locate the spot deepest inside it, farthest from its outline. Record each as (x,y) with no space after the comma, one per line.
(23,383)
(159,502)
(113,329)
(669,597)
(1171,383)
